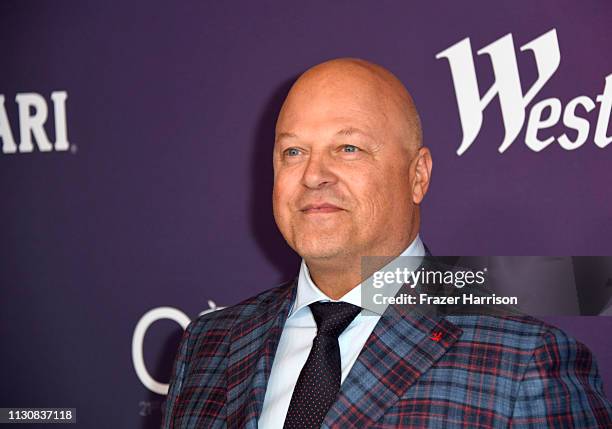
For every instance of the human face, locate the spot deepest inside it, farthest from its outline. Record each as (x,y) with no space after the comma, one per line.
(342,185)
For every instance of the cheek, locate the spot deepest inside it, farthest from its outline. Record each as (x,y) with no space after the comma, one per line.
(282,194)
(368,188)
(379,193)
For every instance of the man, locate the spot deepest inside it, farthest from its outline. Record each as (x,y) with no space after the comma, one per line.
(350,172)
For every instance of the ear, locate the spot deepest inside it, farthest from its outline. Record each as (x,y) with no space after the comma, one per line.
(421,165)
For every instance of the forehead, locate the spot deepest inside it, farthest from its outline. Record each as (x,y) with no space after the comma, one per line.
(326,105)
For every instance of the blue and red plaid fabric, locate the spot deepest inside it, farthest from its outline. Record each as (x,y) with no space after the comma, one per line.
(415,371)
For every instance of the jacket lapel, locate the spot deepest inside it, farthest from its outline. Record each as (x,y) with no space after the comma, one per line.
(253,343)
(404,344)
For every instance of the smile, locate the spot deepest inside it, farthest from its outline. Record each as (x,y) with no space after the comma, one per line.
(320,208)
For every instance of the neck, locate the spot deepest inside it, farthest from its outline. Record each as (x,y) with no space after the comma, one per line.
(335,280)
(335,277)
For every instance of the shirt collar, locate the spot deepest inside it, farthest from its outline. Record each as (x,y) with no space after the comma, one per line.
(308,292)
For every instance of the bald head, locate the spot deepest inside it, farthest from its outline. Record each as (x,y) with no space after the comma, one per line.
(368,84)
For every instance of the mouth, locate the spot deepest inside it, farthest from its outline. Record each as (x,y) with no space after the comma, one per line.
(320,208)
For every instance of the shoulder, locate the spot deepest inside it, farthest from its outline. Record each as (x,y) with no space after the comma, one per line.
(223,319)
(515,331)
(486,320)
(513,345)
(206,339)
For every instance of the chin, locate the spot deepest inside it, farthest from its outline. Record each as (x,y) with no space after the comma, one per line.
(319,249)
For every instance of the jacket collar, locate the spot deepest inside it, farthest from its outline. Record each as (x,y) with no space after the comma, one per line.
(405,343)
(253,343)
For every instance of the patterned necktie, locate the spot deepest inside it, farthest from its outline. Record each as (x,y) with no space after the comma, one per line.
(319,381)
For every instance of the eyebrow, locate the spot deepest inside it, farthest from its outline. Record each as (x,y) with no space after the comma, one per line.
(349,131)
(284,135)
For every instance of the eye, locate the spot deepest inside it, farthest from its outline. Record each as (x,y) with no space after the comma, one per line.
(349,148)
(292,151)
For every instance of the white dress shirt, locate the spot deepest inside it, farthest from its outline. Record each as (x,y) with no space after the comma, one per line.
(297,336)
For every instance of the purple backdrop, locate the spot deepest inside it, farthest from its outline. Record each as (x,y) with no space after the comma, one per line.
(164,195)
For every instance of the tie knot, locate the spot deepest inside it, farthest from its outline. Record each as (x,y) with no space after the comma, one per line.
(333,317)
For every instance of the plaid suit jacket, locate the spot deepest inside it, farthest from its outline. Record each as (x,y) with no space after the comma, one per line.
(483,372)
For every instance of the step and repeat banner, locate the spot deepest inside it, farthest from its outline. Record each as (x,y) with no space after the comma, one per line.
(136,169)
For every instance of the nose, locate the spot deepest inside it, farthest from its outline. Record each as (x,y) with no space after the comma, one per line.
(317,173)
